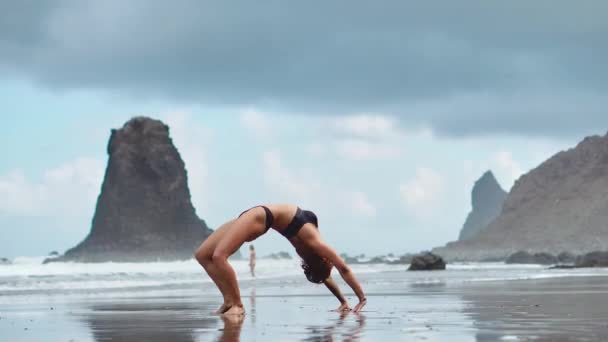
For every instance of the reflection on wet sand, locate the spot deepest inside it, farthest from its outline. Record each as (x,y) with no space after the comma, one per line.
(252,306)
(233,324)
(166,321)
(232,328)
(338,331)
(566,309)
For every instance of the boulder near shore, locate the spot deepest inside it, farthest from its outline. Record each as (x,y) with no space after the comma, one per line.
(427,261)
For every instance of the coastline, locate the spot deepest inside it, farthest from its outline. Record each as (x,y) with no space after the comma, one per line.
(569,308)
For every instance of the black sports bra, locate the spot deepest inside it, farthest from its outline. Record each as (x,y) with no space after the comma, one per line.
(269,216)
(299,220)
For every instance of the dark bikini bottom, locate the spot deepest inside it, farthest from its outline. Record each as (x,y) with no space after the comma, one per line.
(299,220)
(269,216)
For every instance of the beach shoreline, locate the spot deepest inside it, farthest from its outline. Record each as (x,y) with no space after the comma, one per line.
(546,309)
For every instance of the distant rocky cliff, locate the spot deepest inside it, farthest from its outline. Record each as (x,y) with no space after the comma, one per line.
(144,211)
(487,199)
(562,205)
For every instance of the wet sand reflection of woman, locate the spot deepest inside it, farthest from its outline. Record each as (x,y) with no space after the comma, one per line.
(252,260)
(350,334)
(232,328)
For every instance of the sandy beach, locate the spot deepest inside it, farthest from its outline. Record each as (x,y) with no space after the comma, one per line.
(289,309)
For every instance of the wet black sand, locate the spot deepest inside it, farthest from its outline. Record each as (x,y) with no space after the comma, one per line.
(555,309)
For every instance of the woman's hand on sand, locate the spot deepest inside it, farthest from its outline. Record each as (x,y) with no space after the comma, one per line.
(343,307)
(361,304)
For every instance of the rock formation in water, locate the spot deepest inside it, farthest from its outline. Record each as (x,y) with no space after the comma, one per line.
(278,256)
(593,259)
(390,259)
(487,199)
(523,257)
(427,261)
(566,258)
(562,205)
(144,212)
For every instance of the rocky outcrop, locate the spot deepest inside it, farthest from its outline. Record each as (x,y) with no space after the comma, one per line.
(544,258)
(350,259)
(427,262)
(144,212)
(562,205)
(523,257)
(593,259)
(279,256)
(566,258)
(5,261)
(403,260)
(487,199)
(378,259)
(389,259)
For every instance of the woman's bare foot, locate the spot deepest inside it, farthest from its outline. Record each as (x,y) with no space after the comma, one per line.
(235,310)
(343,307)
(225,307)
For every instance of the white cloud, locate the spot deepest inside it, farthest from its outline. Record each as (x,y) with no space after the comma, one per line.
(308,191)
(502,164)
(422,194)
(315,149)
(257,123)
(359,204)
(70,189)
(362,137)
(358,149)
(366,125)
(296,188)
(506,168)
(471,173)
(18,195)
(191,140)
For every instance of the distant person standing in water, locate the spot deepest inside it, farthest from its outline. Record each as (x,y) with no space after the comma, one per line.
(252,260)
(301,229)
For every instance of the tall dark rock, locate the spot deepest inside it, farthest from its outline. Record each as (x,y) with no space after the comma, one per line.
(562,205)
(144,212)
(487,199)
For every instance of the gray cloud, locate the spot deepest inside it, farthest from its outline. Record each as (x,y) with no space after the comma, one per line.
(460,68)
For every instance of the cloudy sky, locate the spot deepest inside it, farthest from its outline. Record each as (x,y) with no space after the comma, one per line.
(378,116)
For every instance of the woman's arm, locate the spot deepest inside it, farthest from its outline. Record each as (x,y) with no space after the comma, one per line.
(347,274)
(335,290)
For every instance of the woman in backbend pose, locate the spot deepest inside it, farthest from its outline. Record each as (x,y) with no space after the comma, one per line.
(300,227)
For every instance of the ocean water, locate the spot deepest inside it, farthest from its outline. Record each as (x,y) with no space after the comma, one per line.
(28,277)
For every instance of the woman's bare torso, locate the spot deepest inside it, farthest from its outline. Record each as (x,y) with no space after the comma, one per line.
(282,214)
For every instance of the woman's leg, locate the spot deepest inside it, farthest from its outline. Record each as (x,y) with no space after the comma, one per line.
(214,252)
(204,255)
(232,293)
(225,272)
(247,228)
